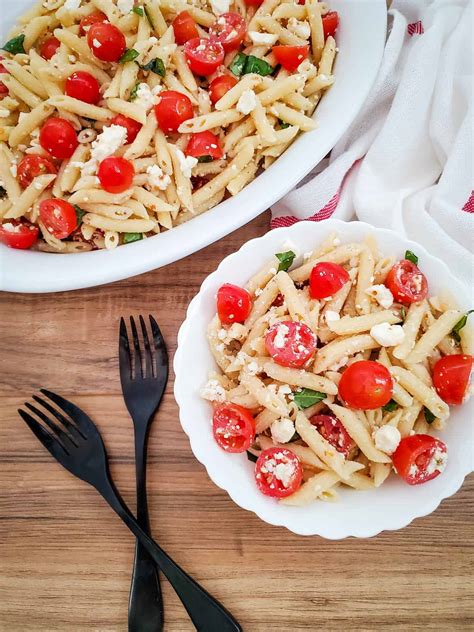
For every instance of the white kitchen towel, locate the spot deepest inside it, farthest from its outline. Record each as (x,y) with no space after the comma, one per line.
(406,162)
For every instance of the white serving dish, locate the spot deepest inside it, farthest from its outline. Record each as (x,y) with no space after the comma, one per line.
(361,39)
(362,514)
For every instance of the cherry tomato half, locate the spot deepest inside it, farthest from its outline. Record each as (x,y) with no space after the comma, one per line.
(3,87)
(18,234)
(233,304)
(254,3)
(229,29)
(290,343)
(330,23)
(106,41)
(204,56)
(172,109)
(220,85)
(83,86)
(132,127)
(32,166)
(233,427)
(49,47)
(58,138)
(290,57)
(332,429)
(406,282)
(366,385)
(451,376)
(184,27)
(278,472)
(419,458)
(89,20)
(116,174)
(204,144)
(59,217)
(326,279)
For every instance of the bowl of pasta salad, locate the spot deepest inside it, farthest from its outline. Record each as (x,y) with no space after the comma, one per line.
(133,132)
(323,378)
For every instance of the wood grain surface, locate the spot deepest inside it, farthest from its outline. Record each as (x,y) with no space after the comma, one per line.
(65,558)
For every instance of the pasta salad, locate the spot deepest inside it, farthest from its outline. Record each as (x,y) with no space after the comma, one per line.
(120,119)
(337,371)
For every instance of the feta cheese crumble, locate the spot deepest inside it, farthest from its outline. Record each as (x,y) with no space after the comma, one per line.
(213,391)
(387,438)
(157,179)
(301,29)
(387,335)
(282,430)
(437,462)
(331,317)
(381,294)
(220,6)
(247,102)
(107,143)
(186,163)
(267,39)
(146,97)
(125,6)
(72,5)
(280,338)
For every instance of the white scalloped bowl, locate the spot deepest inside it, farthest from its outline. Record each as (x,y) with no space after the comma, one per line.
(359,513)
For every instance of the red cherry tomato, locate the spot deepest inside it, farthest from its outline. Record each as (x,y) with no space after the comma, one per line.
(32,166)
(58,137)
(106,41)
(220,85)
(419,458)
(83,86)
(172,109)
(18,234)
(233,427)
(89,20)
(365,385)
(184,27)
(290,57)
(204,144)
(326,279)
(333,431)
(59,217)
(204,56)
(406,282)
(116,174)
(132,127)
(229,29)
(49,47)
(255,3)
(290,344)
(330,23)
(278,472)
(233,304)
(451,376)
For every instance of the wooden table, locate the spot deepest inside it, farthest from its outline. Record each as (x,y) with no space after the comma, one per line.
(66,559)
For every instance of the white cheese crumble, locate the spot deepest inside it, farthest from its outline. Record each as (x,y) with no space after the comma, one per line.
(331,316)
(213,391)
(263,38)
(417,281)
(252,368)
(280,338)
(381,294)
(96,43)
(247,102)
(72,5)
(438,462)
(282,430)
(387,438)
(284,473)
(4,113)
(301,29)
(186,163)
(14,170)
(157,179)
(125,6)
(107,143)
(220,6)
(387,335)
(146,97)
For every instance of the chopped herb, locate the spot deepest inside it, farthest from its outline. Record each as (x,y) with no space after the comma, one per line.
(148,17)
(285,259)
(411,257)
(459,325)
(15,45)
(390,407)
(428,415)
(155,65)
(306,397)
(237,65)
(134,92)
(129,238)
(403,312)
(139,11)
(259,66)
(79,214)
(129,55)
(252,457)
(205,159)
(282,124)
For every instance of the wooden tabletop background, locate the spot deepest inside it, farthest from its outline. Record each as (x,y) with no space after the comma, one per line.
(65,558)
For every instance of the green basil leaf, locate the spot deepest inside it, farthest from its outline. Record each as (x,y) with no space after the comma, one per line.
(390,406)
(129,238)
(403,313)
(79,214)
(155,65)
(138,11)
(134,92)
(428,415)
(282,124)
(205,159)
(237,65)
(15,45)
(259,66)
(411,257)
(459,325)
(285,259)
(129,55)
(306,397)
(252,457)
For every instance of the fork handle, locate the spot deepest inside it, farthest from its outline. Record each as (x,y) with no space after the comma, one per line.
(206,613)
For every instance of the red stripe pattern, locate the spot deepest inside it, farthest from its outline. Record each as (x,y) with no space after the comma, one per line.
(324,213)
(469,206)
(415,28)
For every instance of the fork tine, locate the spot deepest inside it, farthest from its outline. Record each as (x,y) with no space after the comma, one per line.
(66,439)
(74,430)
(136,346)
(79,417)
(125,360)
(53,445)
(160,346)
(148,356)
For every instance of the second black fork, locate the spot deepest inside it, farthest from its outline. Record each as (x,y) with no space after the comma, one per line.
(143,375)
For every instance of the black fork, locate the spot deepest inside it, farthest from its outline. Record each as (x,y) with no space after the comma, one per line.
(74,441)
(143,375)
